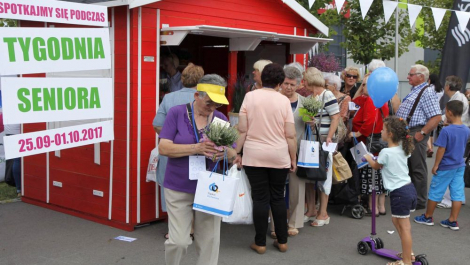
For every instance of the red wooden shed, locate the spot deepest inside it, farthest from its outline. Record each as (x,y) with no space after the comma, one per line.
(106,182)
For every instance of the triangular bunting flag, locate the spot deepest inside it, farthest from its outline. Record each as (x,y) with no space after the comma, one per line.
(339,4)
(389,8)
(365,6)
(462,17)
(413,12)
(438,14)
(310,3)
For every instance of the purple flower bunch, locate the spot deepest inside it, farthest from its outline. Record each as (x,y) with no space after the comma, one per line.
(324,62)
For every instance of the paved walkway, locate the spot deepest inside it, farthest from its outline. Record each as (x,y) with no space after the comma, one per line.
(33,235)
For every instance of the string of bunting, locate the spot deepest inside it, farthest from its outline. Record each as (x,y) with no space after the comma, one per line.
(413,12)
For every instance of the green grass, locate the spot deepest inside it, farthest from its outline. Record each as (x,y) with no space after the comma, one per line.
(7,192)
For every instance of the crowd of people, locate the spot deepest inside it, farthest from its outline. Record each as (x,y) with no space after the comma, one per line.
(271,130)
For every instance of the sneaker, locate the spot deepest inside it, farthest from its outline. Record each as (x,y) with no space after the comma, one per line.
(423,220)
(443,206)
(452,225)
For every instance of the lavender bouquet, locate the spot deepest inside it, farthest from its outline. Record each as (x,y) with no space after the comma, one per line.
(311,106)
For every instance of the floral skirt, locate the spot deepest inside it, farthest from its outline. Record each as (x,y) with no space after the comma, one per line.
(366,181)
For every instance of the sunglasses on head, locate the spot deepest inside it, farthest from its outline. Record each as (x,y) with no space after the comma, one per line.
(351,76)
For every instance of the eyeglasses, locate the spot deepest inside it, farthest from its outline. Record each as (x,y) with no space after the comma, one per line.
(211,103)
(411,74)
(351,76)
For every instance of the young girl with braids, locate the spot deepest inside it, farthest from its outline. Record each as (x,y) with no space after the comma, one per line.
(403,198)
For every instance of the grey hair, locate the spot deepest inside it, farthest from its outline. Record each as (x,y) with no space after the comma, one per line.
(334,80)
(213,79)
(374,64)
(296,65)
(202,94)
(422,70)
(292,72)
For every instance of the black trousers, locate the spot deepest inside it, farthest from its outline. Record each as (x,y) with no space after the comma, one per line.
(267,192)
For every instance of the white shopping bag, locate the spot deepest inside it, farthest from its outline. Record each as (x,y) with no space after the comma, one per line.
(325,186)
(308,154)
(215,193)
(243,207)
(152,167)
(358,152)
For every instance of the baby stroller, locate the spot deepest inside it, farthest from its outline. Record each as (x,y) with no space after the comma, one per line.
(348,194)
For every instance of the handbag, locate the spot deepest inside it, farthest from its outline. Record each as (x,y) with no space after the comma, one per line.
(375,142)
(341,169)
(341,130)
(315,174)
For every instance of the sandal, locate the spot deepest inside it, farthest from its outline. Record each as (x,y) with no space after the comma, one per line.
(413,258)
(293,231)
(273,235)
(319,222)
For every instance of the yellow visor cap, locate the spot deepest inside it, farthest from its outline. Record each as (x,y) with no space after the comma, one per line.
(216,93)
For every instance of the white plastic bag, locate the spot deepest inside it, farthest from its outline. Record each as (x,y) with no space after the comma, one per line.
(152,168)
(243,207)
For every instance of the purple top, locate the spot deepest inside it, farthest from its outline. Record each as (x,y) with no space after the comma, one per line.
(178,128)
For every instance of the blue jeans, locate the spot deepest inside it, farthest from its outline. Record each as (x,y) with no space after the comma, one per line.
(17,173)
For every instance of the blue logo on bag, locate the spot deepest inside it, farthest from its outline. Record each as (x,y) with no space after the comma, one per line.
(313,149)
(358,152)
(213,187)
(327,165)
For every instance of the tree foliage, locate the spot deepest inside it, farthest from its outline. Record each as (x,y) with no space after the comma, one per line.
(371,38)
(426,32)
(5,22)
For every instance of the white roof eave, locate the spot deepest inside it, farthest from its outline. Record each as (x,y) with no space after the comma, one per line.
(296,7)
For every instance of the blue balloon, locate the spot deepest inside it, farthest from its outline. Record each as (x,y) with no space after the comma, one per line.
(382,85)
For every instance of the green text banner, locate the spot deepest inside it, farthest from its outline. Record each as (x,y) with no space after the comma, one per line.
(44,50)
(31,100)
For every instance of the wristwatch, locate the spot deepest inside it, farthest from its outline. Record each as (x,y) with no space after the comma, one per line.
(423,133)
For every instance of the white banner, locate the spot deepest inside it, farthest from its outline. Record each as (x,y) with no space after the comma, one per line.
(31,100)
(310,3)
(438,14)
(27,144)
(339,5)
(413,12)
(389,8)
(463,18)
(42,50)
(365,6)
(55,11)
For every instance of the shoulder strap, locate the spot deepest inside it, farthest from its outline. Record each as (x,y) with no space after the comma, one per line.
(415,104)
(190,113)
(341,99)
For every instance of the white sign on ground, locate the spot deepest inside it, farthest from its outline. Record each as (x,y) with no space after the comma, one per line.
(55,11)
(31,100)
(42,50)
(27,144)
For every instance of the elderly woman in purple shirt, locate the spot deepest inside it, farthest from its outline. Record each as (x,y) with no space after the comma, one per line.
(181,141)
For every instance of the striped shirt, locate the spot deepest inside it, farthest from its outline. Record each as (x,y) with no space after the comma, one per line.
(428,106)
(330,108)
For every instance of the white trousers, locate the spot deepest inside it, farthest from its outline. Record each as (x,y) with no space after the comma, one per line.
(206,230)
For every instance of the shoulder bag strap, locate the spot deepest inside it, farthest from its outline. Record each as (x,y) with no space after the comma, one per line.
(190,113)
(412,111)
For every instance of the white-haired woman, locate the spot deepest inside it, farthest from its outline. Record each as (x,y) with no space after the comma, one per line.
(333,83)
(258,67)
(181,137)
